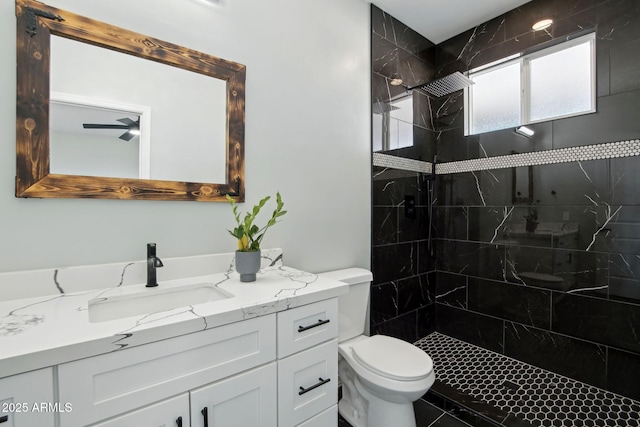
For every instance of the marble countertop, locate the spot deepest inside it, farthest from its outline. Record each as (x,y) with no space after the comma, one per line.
(49,330)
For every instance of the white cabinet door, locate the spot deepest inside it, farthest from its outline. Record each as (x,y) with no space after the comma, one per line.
(248,400)
(168,413)
(26,400)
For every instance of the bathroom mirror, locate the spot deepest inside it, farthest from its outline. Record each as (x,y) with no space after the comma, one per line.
(39,27)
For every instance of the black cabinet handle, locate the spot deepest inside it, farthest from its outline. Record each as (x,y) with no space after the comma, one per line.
(4,419)
(179,421)
(315,325)
(205,415)
(316,385)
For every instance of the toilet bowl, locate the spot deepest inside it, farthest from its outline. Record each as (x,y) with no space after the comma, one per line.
(381,376)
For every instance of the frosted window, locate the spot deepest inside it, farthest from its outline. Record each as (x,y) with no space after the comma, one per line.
(495,100)
(561,83)
(553,83)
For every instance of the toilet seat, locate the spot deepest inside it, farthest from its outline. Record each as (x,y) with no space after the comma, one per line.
(392,358)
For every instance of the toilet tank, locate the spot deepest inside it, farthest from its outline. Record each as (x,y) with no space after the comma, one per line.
(353,306)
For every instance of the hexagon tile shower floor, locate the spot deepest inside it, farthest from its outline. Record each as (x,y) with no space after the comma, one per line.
(538,396)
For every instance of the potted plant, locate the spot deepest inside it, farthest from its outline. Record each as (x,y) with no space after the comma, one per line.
(250,235)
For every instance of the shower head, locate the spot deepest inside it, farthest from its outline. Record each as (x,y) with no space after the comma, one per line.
(445,85)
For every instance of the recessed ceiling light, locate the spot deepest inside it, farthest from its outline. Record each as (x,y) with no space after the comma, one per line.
(395,82)
(542,25)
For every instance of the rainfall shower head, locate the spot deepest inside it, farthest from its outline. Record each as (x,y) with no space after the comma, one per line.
(445,85)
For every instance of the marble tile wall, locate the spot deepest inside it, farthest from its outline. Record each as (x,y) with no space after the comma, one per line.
(402,295)
(553,281)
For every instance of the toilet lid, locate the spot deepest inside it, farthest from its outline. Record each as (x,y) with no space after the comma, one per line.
(392,358)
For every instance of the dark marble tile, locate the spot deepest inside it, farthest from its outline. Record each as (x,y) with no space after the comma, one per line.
(507,141)
(464,406)
(623,371)
(398,33)
(402,327)
(574,183)
(618,229)
(450,112)
(602,321)
(392,61)
(520,19)
(517,303)
(615,120)
(624,272)
(415,292)
(393,262)
(451,222)
(390,188)
(410,228)
(624,177)
(426,320)
(470,258)
(383,302)
(451,289)
(603,71)
(624,65)
(426,255)
(567,356)
(623,289)
(449,421)
(474,328)
(384,224)
(562,270)
(426,413)
(424,147)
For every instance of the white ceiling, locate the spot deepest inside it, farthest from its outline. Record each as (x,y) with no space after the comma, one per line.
(439,20)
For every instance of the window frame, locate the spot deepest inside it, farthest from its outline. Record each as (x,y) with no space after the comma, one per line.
(524,60)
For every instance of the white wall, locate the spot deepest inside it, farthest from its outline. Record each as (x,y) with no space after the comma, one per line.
(307,135)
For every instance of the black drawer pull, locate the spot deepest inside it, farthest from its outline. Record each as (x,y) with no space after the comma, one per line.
(306,328)
(205,415)
(4,419)
(318,384)
(179,421)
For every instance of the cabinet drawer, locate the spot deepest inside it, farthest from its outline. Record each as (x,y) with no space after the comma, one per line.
(161,414)
(110,384)
(19,394)
(306,326)
(307,383)
(328,418)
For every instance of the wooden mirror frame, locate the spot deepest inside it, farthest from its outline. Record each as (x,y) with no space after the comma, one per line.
(36,23)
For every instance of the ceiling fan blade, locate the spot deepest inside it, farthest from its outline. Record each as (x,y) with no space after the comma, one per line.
(103,126)
(127,121)
(127,136)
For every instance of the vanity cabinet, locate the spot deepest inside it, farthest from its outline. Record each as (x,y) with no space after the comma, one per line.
(27,400)
(280,369)
(308,364)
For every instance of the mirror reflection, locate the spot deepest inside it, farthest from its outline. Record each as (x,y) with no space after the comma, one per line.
(187,128)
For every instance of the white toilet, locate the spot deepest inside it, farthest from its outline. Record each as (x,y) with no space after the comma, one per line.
(381,376)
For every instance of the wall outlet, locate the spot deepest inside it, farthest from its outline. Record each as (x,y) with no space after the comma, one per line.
(565,216)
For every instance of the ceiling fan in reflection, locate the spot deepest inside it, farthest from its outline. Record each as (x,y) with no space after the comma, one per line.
(132,127)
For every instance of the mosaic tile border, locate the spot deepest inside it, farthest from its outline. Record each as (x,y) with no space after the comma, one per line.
(562,155)
(533,394)
(395,162)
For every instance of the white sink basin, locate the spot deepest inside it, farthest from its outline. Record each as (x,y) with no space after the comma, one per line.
(153,300)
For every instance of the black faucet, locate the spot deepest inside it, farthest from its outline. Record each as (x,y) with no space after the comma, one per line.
(153,262)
